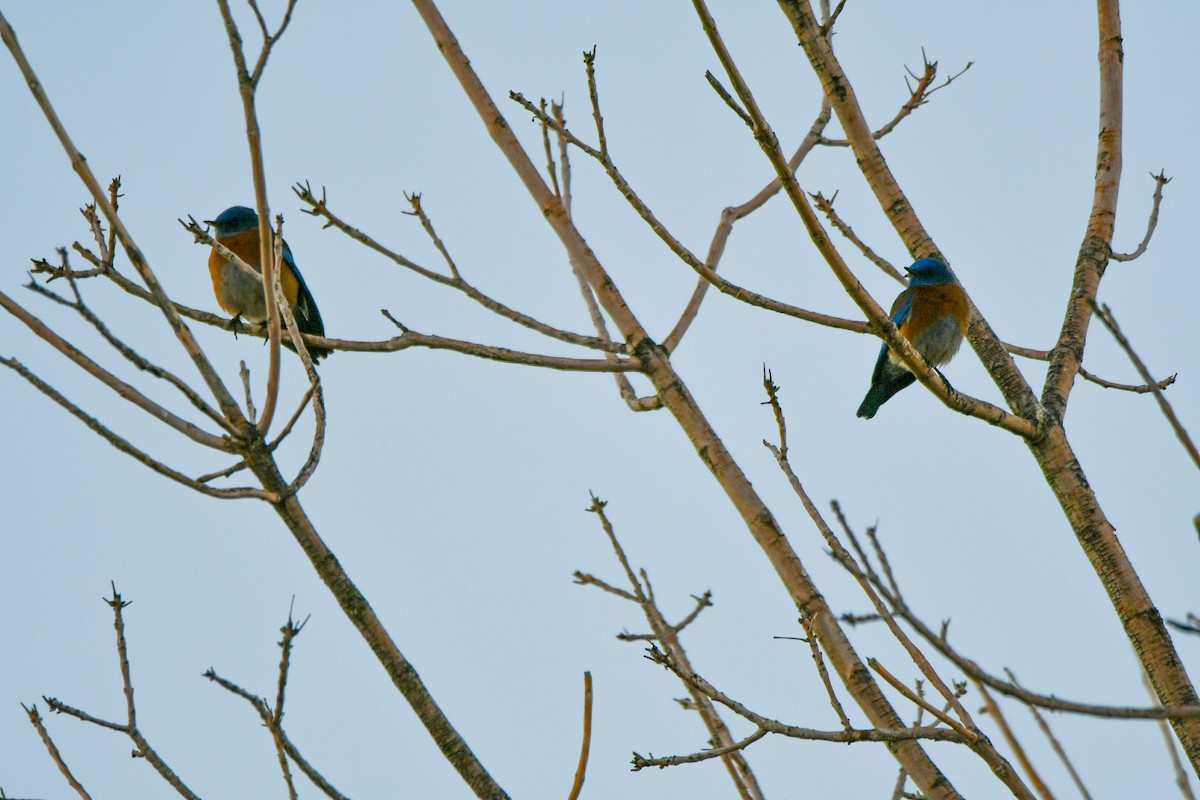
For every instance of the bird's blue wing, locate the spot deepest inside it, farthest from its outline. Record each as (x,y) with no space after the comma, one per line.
(902,308)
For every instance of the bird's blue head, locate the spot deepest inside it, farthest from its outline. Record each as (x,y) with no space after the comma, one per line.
(926,272)
(234,220)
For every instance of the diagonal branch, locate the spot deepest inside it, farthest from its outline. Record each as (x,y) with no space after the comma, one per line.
(123,389)
(1106,316)
(130,355)
(220,392)
(124,445)
(825,206)
(880,321)
(35,719)
(898,209)
(706,270)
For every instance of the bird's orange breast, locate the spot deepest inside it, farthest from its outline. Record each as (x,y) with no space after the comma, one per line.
(932,304)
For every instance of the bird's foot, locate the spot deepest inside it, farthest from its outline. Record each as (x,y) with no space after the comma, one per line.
(942,375)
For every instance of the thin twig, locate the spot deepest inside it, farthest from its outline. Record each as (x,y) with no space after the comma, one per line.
(318,207)
(940,642)
(586,746)
(1044,355)
(815,647)
(640,762)
(1055,744)
(920,701)
(244,372)
(918,96)
(993,710)
(272,717)
(1181,776)
(797,732)
(744,780)
(586,579)
(624,386)
(684,254)
(1160,180)
(825,206)
(730,216)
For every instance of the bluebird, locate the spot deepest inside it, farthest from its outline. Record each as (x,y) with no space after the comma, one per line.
(241,295)
(932,314)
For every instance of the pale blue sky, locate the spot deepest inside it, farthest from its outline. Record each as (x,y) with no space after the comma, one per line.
(454,490)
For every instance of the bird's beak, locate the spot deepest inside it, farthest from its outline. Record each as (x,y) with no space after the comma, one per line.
(208,222)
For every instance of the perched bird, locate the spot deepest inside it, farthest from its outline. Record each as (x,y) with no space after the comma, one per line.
(241,295)
(932,314)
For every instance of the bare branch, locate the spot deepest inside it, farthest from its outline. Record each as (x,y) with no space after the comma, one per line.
(847,561)
(1044,355)
(797,732)
(819,660)
(125,446)
(318,207)
(269,39)
(624,386)
(120,387)
(640,762)
(918,96)
(585,579)
(244,373)
(940,642)
(130,727)
(702,602)
(272,717)
(1160,180)
(130,355)
(1054,743)
(725,96)
(1105,315)
(224,399)
(666,635)
(921,702)
(683,253)
(247,88)
(729,216)
(35,719)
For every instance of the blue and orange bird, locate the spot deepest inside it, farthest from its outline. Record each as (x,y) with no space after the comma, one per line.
(241,295)
(932,314)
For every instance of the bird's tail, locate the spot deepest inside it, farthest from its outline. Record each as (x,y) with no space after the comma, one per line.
(308,320)
(882,391)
